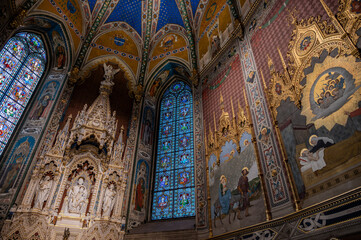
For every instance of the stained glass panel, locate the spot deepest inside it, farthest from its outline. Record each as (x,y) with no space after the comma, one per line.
(174,178)
(4,80)
(9,63)
(6,128)
(10,109)
(184,203)
(22,63)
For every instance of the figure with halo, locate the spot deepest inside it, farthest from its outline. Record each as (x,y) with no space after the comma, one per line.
(77,198)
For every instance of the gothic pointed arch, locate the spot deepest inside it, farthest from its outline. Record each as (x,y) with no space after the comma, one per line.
(174,183)
(23,61)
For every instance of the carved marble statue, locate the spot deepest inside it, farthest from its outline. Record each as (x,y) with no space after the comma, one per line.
(109,73)
(44,187)
(109,200)
(77,198)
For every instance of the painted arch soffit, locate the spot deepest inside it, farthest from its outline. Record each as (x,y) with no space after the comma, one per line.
(94,63)
(158,68)
(207,11)
(49,25)
(119,43)
(169,42)
(163,75)
(70,11)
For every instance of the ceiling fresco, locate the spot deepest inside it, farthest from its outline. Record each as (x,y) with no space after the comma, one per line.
(129,12)
(140,31)
(169,13)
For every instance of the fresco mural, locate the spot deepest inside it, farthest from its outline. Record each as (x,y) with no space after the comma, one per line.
(141,191)
(119,43)
(147,131)
(45,100)
(70,11)
(163,74)
(171,45)
(233,177)
(317,106)
(15,165)
(215,29)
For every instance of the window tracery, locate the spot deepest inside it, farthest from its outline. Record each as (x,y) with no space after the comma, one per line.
(173,195)
(22,63)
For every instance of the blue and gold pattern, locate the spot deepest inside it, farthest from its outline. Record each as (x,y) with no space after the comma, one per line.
(174,179)
(169,13)
(128,11)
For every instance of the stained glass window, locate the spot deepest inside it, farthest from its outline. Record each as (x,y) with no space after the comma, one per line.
(173,195)
(22,63)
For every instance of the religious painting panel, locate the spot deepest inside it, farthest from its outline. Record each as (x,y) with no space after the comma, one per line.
(45,100)
(215,29)
(147,126)
(14,166)
(141,178)
(322,140)
(315,99)
(235,187)
(141,185)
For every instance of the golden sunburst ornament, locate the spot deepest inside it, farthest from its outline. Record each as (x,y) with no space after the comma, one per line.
(332,91)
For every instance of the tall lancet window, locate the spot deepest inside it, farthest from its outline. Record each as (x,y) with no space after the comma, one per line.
(22,63)
(173,195)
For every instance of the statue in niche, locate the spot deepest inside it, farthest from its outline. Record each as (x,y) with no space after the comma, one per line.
(77,198)
(215,45)
(44,187)
(109,73)
(109,200)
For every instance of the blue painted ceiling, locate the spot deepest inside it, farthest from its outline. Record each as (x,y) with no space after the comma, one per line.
(130,11)
(169,13)
(194,4)
(92,4)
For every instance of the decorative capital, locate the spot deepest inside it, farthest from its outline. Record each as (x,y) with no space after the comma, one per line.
(74,75)
(195,77)
(138,92)
(19,19)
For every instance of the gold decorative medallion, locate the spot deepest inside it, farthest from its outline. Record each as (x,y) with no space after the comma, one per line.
(332,91)
(305,43)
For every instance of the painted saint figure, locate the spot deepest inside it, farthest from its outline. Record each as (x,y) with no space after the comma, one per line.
(224,195)
(11,173)
(139,195)
(314,158)
(163,201)
(183,200)
(43,192)
(243,188)
(60,57)
(109,200)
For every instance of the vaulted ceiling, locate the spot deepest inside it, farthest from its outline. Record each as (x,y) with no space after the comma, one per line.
(141,34)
